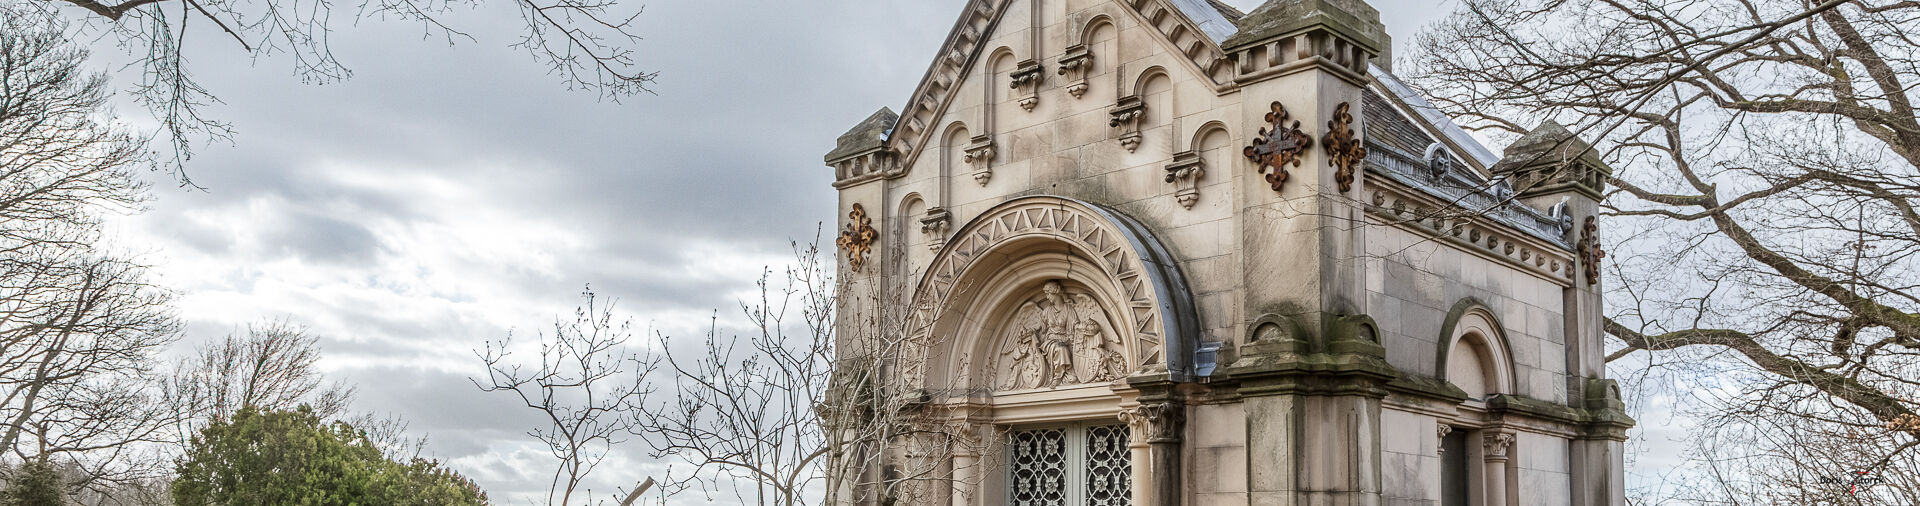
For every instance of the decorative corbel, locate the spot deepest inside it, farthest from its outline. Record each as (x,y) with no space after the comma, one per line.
(1589,249)
(1028,75)
(1074,65)
(858,237)
(1126,117)
(1279,145)
(980,156)
(936,225)
(1344,151)
(1442,430)
(1185,172)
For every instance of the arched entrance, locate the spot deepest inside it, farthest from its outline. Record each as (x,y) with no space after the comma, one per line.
(1044,315)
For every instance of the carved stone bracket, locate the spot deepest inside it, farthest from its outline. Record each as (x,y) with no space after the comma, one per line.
(1442,430)
(1159,422)
(1497,444)
(936,225)
(1074,66)
(1185,172)
(858,237)
(1126,117)
(1344,150)
(980,156)
(1027,76)
(1278,146)
(1589,249)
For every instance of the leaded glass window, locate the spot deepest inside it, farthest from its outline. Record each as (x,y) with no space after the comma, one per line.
(1070,466)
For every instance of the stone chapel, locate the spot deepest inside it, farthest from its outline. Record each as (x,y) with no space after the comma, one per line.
(1165,252)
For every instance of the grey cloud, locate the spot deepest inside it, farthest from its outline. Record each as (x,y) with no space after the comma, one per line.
(318,238)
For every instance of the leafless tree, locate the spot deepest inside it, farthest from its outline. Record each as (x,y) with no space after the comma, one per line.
(588,44)
(1764,214)
(273,366)
(586,385)
(79,325)
(798,412)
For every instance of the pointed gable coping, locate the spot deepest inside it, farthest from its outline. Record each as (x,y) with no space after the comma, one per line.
(963,48)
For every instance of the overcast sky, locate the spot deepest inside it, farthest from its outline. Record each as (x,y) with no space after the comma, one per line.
(446,195)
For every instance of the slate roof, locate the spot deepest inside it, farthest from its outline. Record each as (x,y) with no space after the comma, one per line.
(1218,20)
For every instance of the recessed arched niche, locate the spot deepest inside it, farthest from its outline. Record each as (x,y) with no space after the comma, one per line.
(1475,356)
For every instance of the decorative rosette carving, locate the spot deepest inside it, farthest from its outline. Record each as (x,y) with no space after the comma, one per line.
(858,238)
(1344,150)
(1279,145)
(1589,248)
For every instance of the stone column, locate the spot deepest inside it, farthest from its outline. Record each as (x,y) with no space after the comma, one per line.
(1497,446)
(1155,441)
(966,463)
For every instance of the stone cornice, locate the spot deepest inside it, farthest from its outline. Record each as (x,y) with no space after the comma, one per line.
(1406,208)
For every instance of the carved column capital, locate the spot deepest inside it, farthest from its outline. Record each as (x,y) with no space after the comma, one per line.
(1497,444)
(979,154)
(1126,116)
(1074,65)
(936,225)
(1185,172)
(1028,76)
(1159,422)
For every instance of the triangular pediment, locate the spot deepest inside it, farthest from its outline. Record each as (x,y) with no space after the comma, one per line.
(1192,28)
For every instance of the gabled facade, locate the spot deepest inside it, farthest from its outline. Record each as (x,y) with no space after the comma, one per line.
(1163,252)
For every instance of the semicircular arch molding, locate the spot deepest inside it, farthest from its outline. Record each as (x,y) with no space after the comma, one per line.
(1109,252)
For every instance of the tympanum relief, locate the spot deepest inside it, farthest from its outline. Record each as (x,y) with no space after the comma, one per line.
(1061,338)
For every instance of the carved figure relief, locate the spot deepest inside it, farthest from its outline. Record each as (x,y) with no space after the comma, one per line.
(858,238)
(1062,338)
(1344,151)
(1589,249)
(1278,145)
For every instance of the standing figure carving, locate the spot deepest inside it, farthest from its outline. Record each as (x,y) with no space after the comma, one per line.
(1060,340)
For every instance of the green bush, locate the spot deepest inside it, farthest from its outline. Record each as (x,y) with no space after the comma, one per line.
(278,458)
(36,483)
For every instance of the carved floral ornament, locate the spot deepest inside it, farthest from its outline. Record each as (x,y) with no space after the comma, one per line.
(1497,444)
(1158,422)
(1589,249)
(1279,145)
(1061,338)
(1344,150)
(1074,65)
(858,238)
